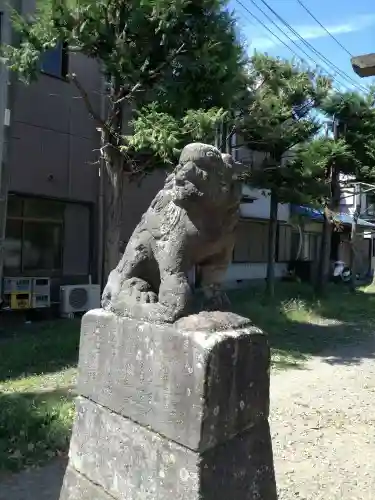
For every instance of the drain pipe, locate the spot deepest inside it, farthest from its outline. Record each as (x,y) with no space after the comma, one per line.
(101,193)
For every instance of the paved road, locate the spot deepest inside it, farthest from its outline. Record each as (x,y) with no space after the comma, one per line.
(41,484)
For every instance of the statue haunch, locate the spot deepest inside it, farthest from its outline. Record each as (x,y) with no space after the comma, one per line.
(190,222)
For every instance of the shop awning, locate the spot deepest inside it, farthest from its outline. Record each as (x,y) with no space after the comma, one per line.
(317,215)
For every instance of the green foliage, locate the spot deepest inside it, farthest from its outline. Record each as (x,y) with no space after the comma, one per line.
(315,159)
(165,136)
(278,118)
(355,113)
(321,153)
(353,153)
(177,62)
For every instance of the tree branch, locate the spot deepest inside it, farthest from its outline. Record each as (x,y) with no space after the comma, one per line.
(152,75)
(110,132)
(86,100)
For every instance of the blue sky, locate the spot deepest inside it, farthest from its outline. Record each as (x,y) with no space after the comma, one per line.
(351,22)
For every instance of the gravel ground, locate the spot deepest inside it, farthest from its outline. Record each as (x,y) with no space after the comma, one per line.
(323,427)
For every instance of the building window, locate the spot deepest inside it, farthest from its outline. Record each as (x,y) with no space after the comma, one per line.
(54,62)
(251,242)
(284,242)
(34,236)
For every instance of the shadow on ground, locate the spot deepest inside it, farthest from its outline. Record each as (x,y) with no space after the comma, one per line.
(339,327)
(41,484)
(350,355)
(38,348)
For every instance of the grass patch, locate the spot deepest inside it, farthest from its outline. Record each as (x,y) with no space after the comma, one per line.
(37,380)
(38,361)
(300,325)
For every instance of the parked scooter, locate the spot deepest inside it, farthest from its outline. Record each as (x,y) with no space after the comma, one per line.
(341,272)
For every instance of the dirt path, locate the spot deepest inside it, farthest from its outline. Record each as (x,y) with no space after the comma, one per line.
(323,427)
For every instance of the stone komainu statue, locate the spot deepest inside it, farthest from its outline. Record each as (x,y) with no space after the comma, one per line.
(190,222)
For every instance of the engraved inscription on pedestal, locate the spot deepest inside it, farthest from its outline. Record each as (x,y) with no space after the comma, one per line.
(173,392)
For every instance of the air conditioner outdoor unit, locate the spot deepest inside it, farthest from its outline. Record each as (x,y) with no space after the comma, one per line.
(78,298)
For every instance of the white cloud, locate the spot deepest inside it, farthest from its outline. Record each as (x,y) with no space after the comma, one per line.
(310,32)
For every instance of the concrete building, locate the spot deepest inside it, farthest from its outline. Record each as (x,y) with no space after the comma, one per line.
(362,195)
(51,179)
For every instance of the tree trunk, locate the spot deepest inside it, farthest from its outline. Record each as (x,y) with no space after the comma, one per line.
(325,247)
(113,211)
(114,183)
(272,235)
(324,255)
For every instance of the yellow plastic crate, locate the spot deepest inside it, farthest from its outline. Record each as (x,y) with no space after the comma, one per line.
(20,300)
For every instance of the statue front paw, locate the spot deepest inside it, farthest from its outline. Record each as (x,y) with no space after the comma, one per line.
(142,297)
(215,299)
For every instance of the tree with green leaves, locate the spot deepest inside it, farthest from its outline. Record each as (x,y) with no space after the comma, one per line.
(278,118)
(346,158)
(327,157)
(355,114)
(176,65)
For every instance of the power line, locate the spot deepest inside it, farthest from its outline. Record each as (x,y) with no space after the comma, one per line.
(280,40)
(342,74)
(325,29)
(312,48)
(286,45)
(268,29)
(286,35)
(305,109)
(307,105)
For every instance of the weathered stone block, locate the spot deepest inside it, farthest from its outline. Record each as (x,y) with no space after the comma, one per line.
(130,462)
(77,487)
(197,382)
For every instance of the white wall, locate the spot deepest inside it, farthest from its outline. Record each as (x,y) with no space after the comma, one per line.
(260,207)
(348,199)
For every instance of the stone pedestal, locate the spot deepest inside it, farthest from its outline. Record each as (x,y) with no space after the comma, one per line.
(171,412)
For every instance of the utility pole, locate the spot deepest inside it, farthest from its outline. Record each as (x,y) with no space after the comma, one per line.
(330,206)
(357,200)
